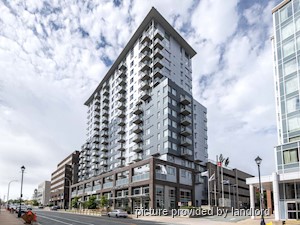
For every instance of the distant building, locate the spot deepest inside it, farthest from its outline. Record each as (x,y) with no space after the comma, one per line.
(62,178)
(42,194)
(236,191)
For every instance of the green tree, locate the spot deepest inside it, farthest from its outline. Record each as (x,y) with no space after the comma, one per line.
(74,202)
(103,201)
(35,203)
(91,203)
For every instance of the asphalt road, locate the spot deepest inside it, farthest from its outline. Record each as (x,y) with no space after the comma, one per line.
(58,218)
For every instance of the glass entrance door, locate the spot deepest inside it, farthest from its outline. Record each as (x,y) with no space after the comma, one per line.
(293,210)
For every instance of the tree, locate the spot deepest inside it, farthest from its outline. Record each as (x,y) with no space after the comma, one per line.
(91,203)
(103,201)
(35,203)
(74,202)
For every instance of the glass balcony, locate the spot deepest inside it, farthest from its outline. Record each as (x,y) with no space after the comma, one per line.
(137,138)
(137,129)
(103,156)
(145,95)
(120,155)
(186,152)
(137,148)
(96,114)
(145,75)
(105,113)
(185,121)
(95,160)
(106,91)
(185,100)
(121,139)
(97,109)
(121,89)
(146,65)
(121,106)
(137,158)
(122,66)
(121,82)
(158,35)
(157,73)
(145,47)
(104,120)
(137,119)
(104,149)
(157,63)
(145,85)
(95,154)
(96,127)
(185,110)
(120,130)
(139,177)
(121,114)
(95,140)
(121,97)
(105,99)
(96,134)
(121,147)
(137,110)
(97,102)
(96,121)
(95,147)
(158,44)
(185,141)
(105,106)
(121,122)
(122,74)
(121,182)
(186,131)
(104,127)
(104,141)
(103,163)
(107,185)
(145,56)
(145,38)
(158,54)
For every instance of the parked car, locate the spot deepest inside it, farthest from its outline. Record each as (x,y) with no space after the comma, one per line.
(41,207)
(117,213)
(55,207)
(23,208)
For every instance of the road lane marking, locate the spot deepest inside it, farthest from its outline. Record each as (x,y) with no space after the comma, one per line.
(73,220)
(101,218)
(54,220)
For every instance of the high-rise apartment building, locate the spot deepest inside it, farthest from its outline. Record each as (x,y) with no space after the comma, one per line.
(62,178)
(285,183)
(43,193)
(146,136)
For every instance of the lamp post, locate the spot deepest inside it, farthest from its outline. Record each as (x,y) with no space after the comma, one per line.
(258,161)
(7,202)
(22,169)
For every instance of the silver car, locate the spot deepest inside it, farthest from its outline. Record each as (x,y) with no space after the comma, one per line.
(117,213)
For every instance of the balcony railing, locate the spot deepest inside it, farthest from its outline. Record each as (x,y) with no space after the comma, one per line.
(139,177)
(185,141)
(137,129)
(185,110)
(107,185)
(185,100)
(186,131)
(186,120)
(121,182)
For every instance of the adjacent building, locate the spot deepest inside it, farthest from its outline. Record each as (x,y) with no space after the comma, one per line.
(285,183)
(146,135)
(42,193)
(62,178)
(236,191)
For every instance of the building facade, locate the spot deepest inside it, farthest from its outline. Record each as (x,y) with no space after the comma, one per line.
(62,178)
(146,137)
(43,193)
(236,191)
(285,182)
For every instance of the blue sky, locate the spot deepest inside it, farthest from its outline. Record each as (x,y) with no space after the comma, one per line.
(54,53)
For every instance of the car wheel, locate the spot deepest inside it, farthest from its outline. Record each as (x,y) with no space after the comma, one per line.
(117,216)
(108,215)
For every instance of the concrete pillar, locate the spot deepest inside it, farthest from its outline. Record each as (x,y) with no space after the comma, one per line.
(269,200)
(276,196)
(252,203)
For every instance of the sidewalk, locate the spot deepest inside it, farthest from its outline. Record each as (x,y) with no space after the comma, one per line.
(7,218)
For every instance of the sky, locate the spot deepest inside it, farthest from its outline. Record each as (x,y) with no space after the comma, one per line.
(54,53)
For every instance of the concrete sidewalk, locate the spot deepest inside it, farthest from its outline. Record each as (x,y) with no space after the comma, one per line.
(7,218)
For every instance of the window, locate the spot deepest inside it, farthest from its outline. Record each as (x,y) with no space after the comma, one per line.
(131,80)
(166,110)
(158,125)
(294,123)
(131,72)
(290,156)
(183,173)
(174,135)
(291,85)
(165,122)
(131,88)
(171,170)
(166,133)
(167,144)
(158,136)
(158,114)
(286,12)
(148,152)
(131,97)
(293,104)
(147,142)
(148,131)
(289,67)
(288,48)
(287,30)
(174,124)
(297,22)
(174,146)
(174,92)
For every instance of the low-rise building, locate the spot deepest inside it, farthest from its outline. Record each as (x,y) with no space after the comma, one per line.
(43,193)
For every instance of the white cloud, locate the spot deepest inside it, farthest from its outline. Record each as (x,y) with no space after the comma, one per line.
(47,73)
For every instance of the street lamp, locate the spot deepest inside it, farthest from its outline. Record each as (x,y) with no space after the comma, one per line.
(7,203)
(22,169)
(258,162)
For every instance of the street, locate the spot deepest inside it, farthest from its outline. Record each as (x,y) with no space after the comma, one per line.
(60,218)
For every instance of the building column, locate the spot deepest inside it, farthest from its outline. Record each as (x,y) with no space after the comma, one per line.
(276,196)
(269,201)
(152,186)
(252,202)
